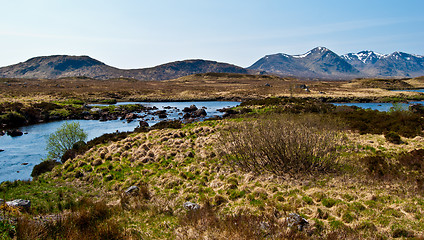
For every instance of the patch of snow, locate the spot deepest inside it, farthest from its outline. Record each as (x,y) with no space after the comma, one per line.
(302,56)
(379,55)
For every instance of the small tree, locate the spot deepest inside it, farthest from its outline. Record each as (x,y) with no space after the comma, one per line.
(63,139)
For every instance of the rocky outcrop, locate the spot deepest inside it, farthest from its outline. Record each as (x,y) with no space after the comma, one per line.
(194,112)
(131,190)
(192,108)
(20,203)
(295,220)
(191,206)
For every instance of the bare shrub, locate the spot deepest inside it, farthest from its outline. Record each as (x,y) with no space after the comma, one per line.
(283,144)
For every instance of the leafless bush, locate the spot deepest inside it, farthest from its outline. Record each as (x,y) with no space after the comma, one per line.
(283,144)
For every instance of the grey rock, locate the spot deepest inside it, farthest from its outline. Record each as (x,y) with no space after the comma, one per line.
(192,108)
(14,133)
(143,124)
(131,190)
(130,116)
(26,204)
(200,113)
(295,220)
(191,206)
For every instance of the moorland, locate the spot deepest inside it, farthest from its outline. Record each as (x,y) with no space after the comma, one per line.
(347,173)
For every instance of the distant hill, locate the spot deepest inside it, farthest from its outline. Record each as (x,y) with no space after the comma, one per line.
(321,62)
(59,66)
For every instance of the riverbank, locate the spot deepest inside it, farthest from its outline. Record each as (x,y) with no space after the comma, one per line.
(29,148)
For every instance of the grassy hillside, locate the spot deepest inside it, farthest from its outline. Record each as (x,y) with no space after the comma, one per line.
(247,174)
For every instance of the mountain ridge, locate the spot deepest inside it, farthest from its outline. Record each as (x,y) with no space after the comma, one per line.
(59,66)
(320,62)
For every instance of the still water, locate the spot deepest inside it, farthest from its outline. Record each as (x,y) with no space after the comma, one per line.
(411,90)
(22,153)
(378,106)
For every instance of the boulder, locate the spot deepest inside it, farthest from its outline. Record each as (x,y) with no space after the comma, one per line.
(143,124)
(21,203)
(159,112)
(130,116)
(191,206)
(95,110)
(1,150)
(131,190)
(295,220)
(14,133)
(192,108)
(200,113)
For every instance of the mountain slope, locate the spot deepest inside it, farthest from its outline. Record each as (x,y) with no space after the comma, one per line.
(397,64)
(59,66)
(319,62)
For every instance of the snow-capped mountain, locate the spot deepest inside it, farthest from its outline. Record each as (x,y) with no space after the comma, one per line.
(362,57)
(319,62)
(397,64)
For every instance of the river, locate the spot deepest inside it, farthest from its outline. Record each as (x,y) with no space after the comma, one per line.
(22,153)
(379,106)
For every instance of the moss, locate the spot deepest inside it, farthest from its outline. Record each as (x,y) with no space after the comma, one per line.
(234,194)
(348,217)
(62,112)
(329,202)
(336,224)
(308,200)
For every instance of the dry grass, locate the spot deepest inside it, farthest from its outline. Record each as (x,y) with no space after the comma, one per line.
(89,220)
(183,165)
(194,87)
(179,165)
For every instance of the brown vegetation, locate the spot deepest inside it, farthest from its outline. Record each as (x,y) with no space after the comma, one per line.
(209,86)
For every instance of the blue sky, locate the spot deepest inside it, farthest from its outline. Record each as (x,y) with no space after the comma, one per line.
(146,33)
